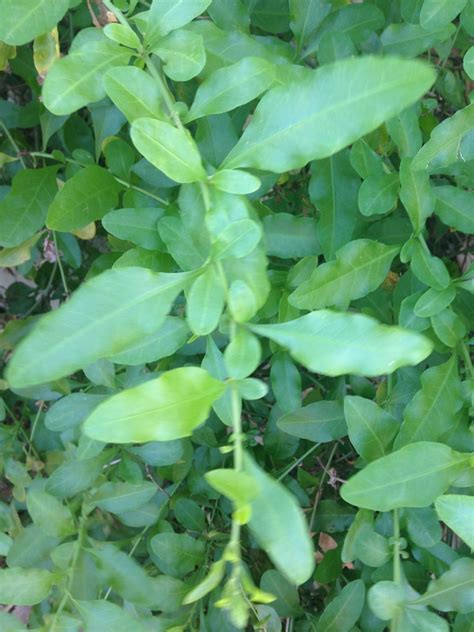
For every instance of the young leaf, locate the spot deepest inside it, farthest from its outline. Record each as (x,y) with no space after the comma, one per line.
(227,88)
(205,302)
(85,197)
(171,150)
(134,92)
(23,210)
(360,267)
(183,54)
(23,20)
(432,411)
(319,422)
(443,147)
(335,343)
(344,610)
(433,301)
(237,239)
(454,590)
(371,429)
(411,477)
(243,354)
(454,207)
(458,513)
(278,525)
(164,17)
(167,408)
(239,487)
(378,194)
(235,181)
(326,110)
(24,586)
(105,316)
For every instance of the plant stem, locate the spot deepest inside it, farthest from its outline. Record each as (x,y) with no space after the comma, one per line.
(397,570)
(165,92)
(61,269)
(13,143)
(297,462)
(467,359)
(320,486)
(33,428)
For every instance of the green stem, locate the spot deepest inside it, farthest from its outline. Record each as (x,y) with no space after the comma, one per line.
(397,569)
(297,462)
(61,269)
(467,359)
(13,143)
(320,486)
(33,428)
(165,92)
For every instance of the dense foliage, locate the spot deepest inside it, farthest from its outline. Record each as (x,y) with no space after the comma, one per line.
(235,259)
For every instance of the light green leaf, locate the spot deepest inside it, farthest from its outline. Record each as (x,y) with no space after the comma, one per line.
(416,194)
(243,354)
(24,586)
(409,40)
(85,197)
(170,337)
(319,422)
(468,63)
(105,316)
(49,514)
(134,92)
(167,408)
(443,147)
(454,207)
(360,267)
(122,34)
(378,194)
(23,20)
(428,269)
(365,160)
(278,525)
(449,327)
(78,79)
(336,343)
(437,13)
(118,497)
(411,477)
(423,526)
(177,554)
(183,54)
(23,210)
(138,225)
(432,411)
(239,487)
(454,590)
(99,615)
(165,17)
(433,301)
(235,181)
(205,302)
(333,190)
(344,610)
(458,513)
(238,239)
(227,88)
(171,150)
(371,429)
(326,110)
(306,16)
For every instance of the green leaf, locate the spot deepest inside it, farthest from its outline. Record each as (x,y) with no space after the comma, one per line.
(411,477)
(239,487)
(306,16)
(237,239)
(289,237)
(23,210)
(134,92)
(286,382)
(409,40)
(458,513)
(70,411)
(205,302)
(164,17)
(23,20)
(428,269)
(85,197)
(335,343)
(183,54)
(405,131)
(468,62)
(423,526)
(171,150)
(235,181)
(78,79)
(177,554)
(211,581)
(319,422)
(454,590)
(360,267)
(371,429)
(278,525)
(416,194)
(49,514)
(443,147)
(454,207)
(362,542)
(119,497)
(378,194)
(227,88)
(333,189)
(170,337)
(98,615)
(449,327)
(432,411)
(365,160)
(326,110)
(167,408)
(242,355)
(73,477)
(287,601)
(24,586)
(190,515)
(138,225)
(437,13)
(344,610)
(432,301)
(105,316)
(122,34)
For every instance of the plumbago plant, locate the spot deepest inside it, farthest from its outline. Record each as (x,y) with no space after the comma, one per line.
(248,221)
